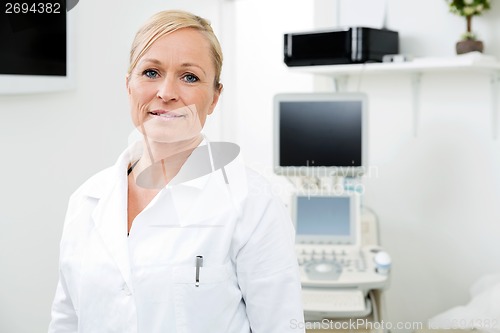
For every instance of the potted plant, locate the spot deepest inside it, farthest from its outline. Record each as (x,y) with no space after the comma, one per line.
(468,9)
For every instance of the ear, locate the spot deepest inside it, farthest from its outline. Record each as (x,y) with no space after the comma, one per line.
(217,93)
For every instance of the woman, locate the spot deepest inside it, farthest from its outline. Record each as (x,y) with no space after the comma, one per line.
(176,236)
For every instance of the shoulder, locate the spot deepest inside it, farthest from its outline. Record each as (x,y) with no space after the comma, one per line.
(101,182)
(91,190)
(258,185)
(97,184)
(269,187)
(263,197)
(83,201)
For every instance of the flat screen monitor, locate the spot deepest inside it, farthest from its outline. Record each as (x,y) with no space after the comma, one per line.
(327,219)
(320,134)
(36,47)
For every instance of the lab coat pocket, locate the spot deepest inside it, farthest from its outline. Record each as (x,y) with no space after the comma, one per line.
(209,306)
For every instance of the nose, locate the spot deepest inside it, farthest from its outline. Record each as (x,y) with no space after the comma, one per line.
(167,89)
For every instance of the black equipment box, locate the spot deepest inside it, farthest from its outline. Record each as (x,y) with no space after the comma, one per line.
(343,46)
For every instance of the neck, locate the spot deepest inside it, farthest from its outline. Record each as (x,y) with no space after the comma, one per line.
(154,152)
(161,161)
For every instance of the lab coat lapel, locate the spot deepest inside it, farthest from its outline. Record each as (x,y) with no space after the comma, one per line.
(210,197)
(211,201)
(110,219)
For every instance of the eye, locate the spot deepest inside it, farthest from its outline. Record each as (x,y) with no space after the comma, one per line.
(151,73)
(190,78)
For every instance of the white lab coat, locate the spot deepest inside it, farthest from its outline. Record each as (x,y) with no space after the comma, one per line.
(145,283)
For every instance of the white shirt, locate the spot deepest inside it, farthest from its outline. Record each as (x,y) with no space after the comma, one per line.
(145,283)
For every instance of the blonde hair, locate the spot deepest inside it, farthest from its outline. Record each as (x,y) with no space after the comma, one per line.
(166,22)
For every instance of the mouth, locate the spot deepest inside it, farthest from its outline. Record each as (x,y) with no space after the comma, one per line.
(166,114)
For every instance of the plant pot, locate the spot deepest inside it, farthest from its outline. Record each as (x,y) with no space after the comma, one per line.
(466,46)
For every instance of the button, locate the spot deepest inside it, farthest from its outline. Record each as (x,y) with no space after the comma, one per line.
(126,290)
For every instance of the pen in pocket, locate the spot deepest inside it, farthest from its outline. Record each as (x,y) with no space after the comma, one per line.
(199,263)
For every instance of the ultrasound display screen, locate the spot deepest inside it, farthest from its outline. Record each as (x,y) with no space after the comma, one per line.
(323,216)
(33,38)
(320,133)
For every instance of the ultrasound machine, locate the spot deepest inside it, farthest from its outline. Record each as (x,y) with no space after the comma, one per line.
(320,145)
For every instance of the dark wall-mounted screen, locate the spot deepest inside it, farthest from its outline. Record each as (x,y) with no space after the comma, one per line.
(320,133)
(33,38)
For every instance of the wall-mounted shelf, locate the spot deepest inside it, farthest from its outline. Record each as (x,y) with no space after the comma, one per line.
(472,62)
(420,65)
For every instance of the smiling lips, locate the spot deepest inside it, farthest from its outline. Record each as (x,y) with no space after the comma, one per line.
(166,115)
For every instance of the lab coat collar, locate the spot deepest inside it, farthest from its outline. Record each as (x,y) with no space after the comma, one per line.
(104,181)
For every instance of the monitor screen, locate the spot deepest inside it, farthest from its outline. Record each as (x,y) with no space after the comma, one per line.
(33,38)
(322,131)
(37,47)
(326,218)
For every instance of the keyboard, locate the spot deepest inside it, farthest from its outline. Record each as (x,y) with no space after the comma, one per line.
(335,303)
(339,267)
(350,261)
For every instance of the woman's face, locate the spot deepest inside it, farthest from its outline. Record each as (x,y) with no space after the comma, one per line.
(171,90)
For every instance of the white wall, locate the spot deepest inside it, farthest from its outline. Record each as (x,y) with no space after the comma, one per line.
(259,73)
(436,193)
(51,143)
